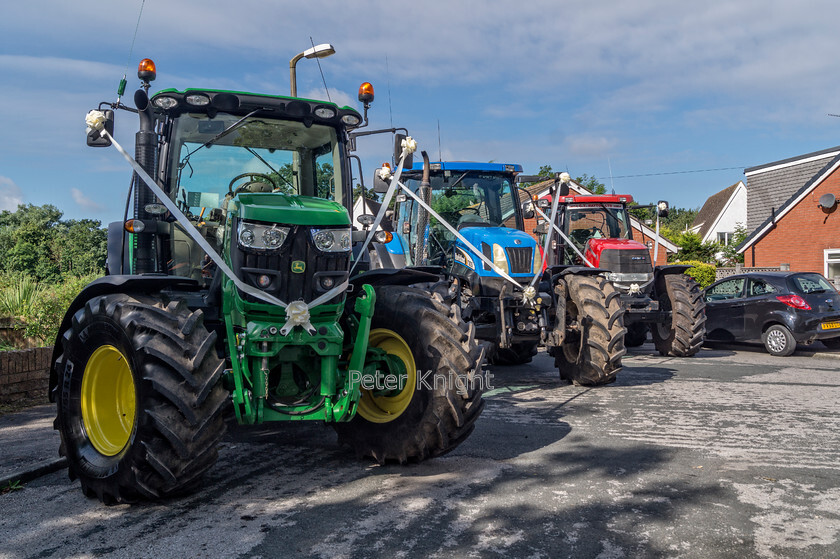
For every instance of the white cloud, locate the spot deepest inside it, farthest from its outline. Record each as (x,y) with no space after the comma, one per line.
(84,202)
(10,194)
(338,97)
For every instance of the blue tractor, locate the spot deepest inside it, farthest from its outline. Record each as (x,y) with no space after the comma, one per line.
(481,201)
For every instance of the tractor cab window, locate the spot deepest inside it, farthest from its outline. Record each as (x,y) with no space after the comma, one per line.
(462,199)
(212,160)
(597,221)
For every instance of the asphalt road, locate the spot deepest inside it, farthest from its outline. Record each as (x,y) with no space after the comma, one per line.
(731,453)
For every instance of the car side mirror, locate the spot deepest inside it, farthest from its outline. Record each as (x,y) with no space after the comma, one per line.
(380,185)
(94,139)
(409,158)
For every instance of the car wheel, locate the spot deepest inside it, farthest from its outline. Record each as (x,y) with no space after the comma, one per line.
(778,341)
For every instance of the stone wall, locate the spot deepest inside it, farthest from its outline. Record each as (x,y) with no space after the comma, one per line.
(24,374)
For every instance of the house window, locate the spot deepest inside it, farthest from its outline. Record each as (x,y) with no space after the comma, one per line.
(724,237)
(832,264)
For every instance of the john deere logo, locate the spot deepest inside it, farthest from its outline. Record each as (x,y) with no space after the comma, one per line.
(298,266)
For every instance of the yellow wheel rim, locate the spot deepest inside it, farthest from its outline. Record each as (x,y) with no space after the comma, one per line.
(108,400)
(382,409)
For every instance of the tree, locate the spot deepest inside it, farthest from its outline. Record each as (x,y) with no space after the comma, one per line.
(35,242)
(730,255)
(591,184)
(692,247)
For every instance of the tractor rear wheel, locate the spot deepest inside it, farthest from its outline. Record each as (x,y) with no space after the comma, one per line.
(437,409)
(682,334)
(591,352)
(516,354)
(139,402)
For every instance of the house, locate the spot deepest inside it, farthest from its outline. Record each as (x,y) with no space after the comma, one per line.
(641,232)
(722,212)
(803,229)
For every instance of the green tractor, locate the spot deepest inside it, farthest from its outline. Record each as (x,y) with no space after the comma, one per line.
(234,283)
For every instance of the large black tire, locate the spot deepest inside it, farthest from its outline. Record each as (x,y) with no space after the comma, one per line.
(591,353)
(636,334)
(445,405)
(516,354)
(682,334)
(139,403)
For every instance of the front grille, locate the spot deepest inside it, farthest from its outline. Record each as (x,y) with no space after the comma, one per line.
(520,259)
(286,285)
(626,261)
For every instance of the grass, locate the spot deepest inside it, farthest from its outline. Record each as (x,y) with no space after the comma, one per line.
(11,486)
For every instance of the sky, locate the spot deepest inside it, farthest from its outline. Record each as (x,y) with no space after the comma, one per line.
(658,99)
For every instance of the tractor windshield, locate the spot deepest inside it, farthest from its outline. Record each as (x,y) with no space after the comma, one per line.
(597,221)
(257,154)
(471,198)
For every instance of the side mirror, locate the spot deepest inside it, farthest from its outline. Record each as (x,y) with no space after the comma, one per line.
(409,159)
(662,208)
(366,220)
(528,210)
(380,185)
(541,229)
(95,140)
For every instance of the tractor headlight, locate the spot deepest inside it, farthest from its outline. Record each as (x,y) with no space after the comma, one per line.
(332,240)
(263,237)
(500,258)
(537,259)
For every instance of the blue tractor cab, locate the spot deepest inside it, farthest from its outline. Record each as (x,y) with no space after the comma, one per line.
(481,201)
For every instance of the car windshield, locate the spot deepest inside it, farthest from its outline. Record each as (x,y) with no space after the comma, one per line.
(805,284)
(597,221)
(272,155)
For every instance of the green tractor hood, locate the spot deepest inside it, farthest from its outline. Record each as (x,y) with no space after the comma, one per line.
(276,207)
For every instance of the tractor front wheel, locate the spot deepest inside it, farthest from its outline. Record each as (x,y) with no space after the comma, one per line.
(594,343)
(682,334)
(139,405)
(441,400)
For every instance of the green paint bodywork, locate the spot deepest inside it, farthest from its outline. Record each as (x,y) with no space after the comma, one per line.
(309,372)
(289,209)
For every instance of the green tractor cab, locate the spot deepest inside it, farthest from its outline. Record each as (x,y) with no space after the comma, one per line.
(231,286)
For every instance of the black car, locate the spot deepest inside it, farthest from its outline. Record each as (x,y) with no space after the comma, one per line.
(777,308)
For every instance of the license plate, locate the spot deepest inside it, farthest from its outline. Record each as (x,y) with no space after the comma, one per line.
(829,325)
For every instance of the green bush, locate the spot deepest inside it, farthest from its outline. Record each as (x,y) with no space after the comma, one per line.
(703,274)
(17,295)
(47,310)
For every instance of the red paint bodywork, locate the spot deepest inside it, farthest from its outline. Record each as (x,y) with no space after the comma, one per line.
(594,247)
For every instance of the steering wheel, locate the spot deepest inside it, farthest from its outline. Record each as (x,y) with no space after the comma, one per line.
(242,187)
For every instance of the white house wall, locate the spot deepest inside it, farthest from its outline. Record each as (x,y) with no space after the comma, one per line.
(734,213)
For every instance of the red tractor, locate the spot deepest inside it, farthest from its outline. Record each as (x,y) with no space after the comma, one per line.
(596,232)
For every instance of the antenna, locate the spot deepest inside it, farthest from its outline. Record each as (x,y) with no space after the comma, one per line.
(612,184)
(121,88)
(323,79)
(388,73)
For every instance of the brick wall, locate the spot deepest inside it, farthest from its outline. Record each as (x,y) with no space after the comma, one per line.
(801,236)
(24,374)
